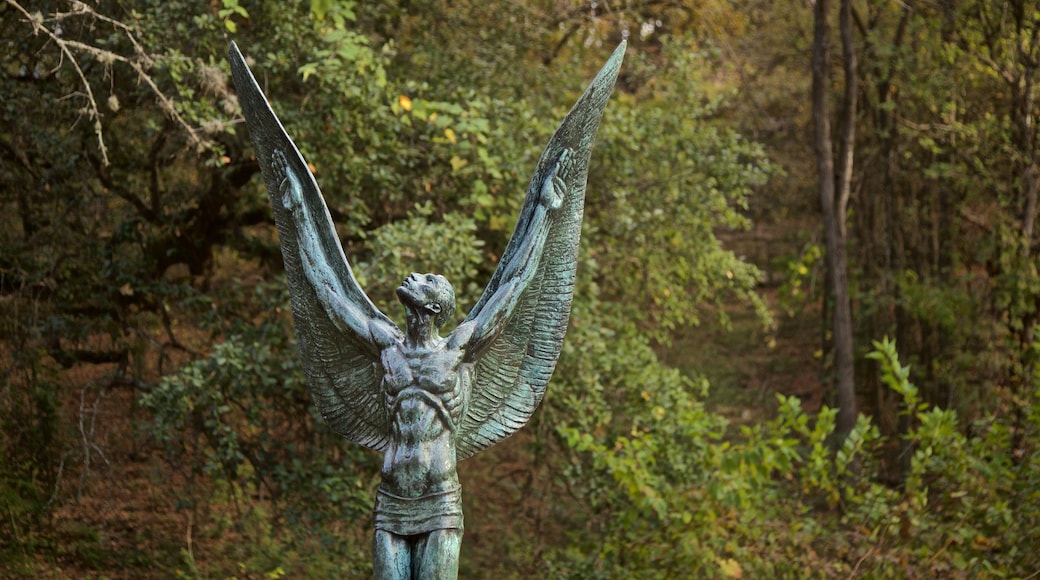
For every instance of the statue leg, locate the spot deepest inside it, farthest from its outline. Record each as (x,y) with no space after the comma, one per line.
(437,555)
(391,557)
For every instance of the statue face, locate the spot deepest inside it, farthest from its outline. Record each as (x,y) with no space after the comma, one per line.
(429,294)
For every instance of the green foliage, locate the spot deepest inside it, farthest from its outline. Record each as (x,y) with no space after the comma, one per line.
(30,436)
(660,252)
(231,8)
(968,500)
(685,497)
(897,376)
(405,244)
(802,279)
(242,416)
(946,165)
(153,263)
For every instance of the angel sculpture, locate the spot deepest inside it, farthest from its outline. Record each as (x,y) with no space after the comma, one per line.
(425,401)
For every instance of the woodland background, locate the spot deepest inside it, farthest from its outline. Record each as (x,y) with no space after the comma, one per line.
(804,334)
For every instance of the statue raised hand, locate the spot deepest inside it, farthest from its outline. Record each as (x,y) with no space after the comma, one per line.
(425,401)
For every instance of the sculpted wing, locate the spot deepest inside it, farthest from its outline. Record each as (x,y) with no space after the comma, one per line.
(343,373)
(509,379)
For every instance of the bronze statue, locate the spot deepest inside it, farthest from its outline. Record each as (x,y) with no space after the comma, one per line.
(425,401)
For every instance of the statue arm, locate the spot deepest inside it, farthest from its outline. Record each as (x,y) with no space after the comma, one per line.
(374,335)
(521,269)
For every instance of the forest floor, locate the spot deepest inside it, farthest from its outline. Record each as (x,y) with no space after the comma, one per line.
(747,365)
(747,362)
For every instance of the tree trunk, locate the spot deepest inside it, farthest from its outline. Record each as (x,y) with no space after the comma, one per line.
(833,202)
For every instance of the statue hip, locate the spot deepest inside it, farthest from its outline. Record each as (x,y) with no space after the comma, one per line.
(405,516)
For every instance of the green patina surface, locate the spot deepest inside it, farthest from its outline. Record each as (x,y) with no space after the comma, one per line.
(422,400)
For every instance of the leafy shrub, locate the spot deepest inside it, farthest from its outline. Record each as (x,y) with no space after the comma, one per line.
(242,417)
(680,495)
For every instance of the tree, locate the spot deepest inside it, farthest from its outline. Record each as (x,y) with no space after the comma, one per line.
(834,198)
(1006,41)
(941,258)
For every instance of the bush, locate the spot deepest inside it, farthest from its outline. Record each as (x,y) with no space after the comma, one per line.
(676,495)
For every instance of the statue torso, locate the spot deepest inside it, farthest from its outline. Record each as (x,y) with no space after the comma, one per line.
(425,394)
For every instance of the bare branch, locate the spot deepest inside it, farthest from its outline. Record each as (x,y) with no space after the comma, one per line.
(165,103)
(140,63)
(36,20)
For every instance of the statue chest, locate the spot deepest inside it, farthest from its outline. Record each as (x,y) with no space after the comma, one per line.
(425,392)
(437,372)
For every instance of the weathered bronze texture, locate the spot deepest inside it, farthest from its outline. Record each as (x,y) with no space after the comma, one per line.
(425,401)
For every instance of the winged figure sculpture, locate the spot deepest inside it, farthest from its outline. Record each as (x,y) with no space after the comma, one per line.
(425,401)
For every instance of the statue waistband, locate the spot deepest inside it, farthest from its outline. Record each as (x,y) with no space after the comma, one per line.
(411,516)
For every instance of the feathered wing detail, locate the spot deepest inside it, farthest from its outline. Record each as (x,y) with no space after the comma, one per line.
(343,374)
(509,379)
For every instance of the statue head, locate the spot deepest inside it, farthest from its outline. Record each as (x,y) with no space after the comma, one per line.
(430,295)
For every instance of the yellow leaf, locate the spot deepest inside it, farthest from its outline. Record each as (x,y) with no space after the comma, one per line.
(433,117)
(458,163)
(731,568)
(405,102)
(450,135)
(312,167)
